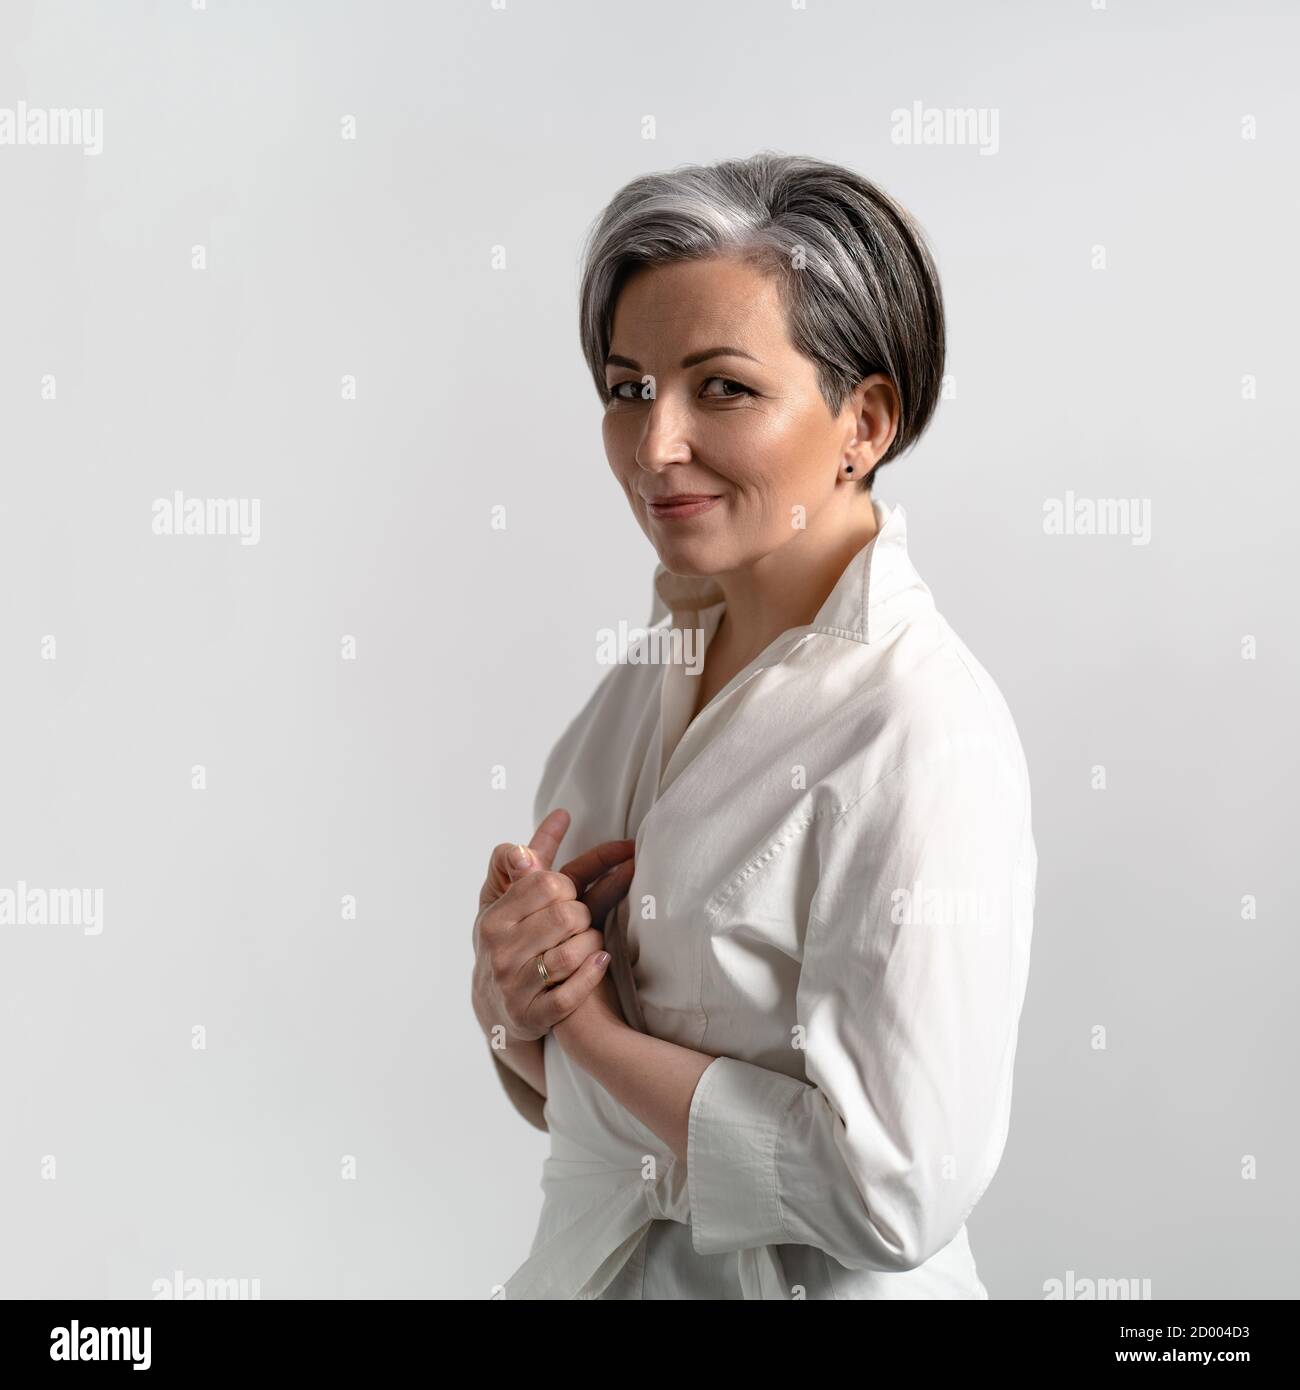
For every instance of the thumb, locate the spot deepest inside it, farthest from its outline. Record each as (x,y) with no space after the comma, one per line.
(519,860)
(539,852)
(548,837)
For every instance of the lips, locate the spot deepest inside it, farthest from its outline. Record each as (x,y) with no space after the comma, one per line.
(682,504)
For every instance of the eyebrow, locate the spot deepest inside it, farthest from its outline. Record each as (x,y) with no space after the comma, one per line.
(614,360)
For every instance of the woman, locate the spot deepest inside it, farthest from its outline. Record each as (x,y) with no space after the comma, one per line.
(793,1079)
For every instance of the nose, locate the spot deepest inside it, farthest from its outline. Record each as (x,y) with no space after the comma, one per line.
(664,438)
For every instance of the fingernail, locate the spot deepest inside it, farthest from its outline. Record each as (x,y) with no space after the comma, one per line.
(602,960)
(519,857)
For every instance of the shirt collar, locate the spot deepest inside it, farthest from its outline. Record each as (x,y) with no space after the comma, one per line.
(855,608)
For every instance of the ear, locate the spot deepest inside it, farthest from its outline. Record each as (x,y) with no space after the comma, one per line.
(878,415)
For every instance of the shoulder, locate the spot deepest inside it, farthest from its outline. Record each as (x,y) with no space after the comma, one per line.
(936,785)
(920,704)
(607,728)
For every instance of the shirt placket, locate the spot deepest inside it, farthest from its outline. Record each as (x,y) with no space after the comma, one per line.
(680,687)
(678,694)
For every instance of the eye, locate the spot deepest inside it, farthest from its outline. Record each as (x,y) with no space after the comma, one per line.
(730,396)
(638,388)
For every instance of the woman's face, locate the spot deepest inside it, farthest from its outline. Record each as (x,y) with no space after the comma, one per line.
(736,416)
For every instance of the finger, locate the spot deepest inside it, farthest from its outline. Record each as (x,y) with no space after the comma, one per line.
(500,872)
(561,960)
(531,892)
(607,891)
(596,861)
(535,892)
(551,1005)
(505,865)
(497,878)
(542,936)
(549,835)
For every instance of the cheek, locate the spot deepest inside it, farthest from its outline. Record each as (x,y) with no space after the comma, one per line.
(800,459)
(780,467)
(620,450)
(752,452)
(785,486)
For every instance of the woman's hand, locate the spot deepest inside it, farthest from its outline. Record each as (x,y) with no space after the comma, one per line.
(532,911)
(591,1020)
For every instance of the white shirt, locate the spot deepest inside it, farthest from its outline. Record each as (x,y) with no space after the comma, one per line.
(833,896)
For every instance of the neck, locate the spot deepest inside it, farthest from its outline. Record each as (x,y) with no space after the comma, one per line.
(787,587)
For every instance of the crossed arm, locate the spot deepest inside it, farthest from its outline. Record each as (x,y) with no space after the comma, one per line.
(653,1079)
(910,1017)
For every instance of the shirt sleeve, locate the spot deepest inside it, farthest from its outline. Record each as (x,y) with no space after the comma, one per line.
(531,1104)
(915,960)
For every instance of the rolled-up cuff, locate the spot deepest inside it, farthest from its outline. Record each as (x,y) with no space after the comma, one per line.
(733,1142)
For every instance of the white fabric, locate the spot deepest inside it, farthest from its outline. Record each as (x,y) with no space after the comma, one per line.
(833,896)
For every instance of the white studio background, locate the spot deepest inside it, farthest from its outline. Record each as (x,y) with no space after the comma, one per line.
(353,173)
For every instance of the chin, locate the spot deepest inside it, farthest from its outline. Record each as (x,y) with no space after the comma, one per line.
(694,561)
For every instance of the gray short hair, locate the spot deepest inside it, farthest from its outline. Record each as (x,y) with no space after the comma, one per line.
(856,277)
